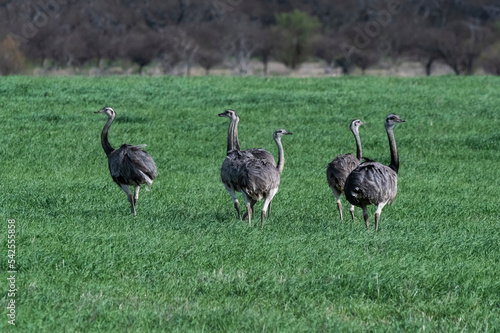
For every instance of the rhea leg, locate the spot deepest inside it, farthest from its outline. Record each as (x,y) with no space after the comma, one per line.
(339,204)
(252,204)
(235,200)
(267,203)
(136,193)
(352,212)
(249,205)
(129,196)
(365,216)
(377,213)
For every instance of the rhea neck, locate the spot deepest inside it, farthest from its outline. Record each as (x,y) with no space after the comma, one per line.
(281,154)
(104,135)
(358,144)
(232,135)
(394,151)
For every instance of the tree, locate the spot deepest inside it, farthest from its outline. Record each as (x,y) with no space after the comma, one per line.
(209,43)
(241,41)
(168,56)
(357,49)
(327,48)
(141,49)
(297,30)
(72,50)
(184,47)
(365,58)
(459,45)
(266,45)
(490,59)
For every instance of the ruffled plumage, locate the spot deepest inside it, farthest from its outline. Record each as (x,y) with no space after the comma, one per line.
(338,170)
(131,165)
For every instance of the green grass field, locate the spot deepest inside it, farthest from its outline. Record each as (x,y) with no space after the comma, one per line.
(186,263)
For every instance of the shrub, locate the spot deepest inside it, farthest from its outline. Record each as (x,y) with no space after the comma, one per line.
(12,60)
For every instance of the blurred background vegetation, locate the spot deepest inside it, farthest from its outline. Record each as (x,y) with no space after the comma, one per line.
(176,36)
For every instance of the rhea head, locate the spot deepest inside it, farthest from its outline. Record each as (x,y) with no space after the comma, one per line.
(107,111)
(279,133)
(392,120)
(229,114)
(355,124)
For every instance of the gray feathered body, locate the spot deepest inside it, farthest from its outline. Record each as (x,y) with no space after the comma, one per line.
(338,170)
(258,177)
(131,165)
(230,170)
(262,155)
(370,184)
(232,167)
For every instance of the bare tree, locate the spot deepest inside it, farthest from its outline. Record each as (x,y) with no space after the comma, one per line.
(459,45)
(266,46)
(241,42)
(141,49)
(168,54)
(327,48)
(73,50)
(490,59)
(365,58)
(424,49)
(184,47)
(208,38)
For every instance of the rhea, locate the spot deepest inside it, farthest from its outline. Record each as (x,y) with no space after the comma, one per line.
(373,183)
(235,158)
(129,165)
(259,179)
(342,165)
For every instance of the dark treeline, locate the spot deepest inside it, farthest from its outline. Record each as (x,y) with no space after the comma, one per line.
(178,34)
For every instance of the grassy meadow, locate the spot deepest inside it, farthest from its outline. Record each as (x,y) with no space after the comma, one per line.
(187,264)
